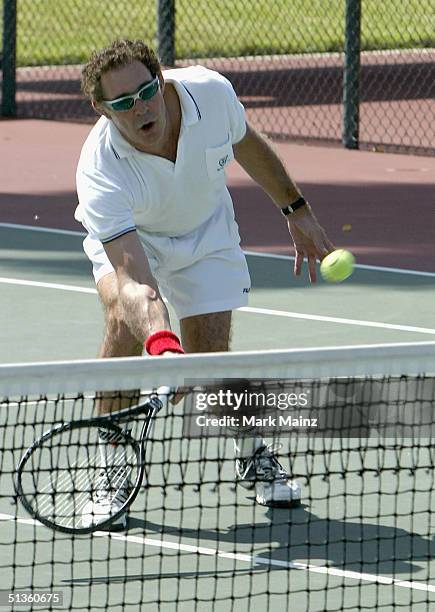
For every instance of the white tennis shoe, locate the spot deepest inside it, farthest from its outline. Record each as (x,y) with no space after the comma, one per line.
(112,486)
(111,491)
(273,486)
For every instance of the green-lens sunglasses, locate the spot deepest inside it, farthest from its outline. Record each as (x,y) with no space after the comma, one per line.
(125,103)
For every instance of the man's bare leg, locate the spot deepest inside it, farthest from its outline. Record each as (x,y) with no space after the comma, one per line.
(206,333)
(212,333)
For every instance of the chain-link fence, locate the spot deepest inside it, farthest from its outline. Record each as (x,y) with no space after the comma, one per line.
(357,71)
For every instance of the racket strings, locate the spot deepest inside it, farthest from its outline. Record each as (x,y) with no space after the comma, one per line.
(67,488)
(78,470)
(82,473)
(113,478)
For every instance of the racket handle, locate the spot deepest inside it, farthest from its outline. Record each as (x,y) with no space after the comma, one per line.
(165,393)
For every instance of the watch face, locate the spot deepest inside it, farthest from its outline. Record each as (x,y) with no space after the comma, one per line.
(291,208)
(298,204)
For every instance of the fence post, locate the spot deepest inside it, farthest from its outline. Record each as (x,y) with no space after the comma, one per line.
(166,31)
(8,107)
(351,75)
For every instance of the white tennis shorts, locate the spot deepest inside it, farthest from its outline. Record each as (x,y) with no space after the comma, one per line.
(198,273)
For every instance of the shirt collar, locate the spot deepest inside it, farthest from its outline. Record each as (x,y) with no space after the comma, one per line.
(190,114)
(117,143)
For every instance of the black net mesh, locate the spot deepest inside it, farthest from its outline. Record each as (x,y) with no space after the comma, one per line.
(360,538)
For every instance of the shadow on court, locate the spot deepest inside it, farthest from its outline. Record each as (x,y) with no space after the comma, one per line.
(378,234)
(160,576)
(66,267)
(53,209)
(353,546)
(279,84)
(278,274)
(32,254)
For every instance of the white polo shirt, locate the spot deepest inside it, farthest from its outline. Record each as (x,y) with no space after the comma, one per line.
(121,189)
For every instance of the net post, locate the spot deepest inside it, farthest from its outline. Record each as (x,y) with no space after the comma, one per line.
(351,74)
(166,31)
(8,61)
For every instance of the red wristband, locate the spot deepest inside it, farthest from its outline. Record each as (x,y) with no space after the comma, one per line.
(162,341)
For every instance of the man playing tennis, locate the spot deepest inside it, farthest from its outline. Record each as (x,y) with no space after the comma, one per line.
(153,198)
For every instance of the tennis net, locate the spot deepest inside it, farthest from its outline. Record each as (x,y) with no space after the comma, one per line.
(361,539)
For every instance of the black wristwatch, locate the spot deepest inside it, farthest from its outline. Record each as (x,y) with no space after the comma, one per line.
(291,208)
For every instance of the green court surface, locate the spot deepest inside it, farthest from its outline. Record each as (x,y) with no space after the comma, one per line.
(50,311)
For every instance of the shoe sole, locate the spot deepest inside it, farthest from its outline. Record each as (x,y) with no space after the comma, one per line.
(294,503)
(121,523)
(246,484)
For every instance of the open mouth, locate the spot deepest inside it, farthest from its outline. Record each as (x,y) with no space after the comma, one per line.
(146,127)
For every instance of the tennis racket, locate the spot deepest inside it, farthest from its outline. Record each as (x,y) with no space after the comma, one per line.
(69,477)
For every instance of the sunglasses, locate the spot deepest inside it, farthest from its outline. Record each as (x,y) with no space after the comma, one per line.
(125,103)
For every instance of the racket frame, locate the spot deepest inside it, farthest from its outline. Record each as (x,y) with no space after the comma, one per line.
(110,421)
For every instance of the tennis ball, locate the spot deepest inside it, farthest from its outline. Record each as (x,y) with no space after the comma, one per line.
(337,266)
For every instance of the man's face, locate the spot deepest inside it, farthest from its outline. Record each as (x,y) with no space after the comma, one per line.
(143,126)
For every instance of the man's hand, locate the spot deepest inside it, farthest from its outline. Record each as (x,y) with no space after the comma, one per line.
(177,394)
(310,240)
(260,160)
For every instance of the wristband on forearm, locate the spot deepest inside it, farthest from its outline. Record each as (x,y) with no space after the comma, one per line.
(163,341)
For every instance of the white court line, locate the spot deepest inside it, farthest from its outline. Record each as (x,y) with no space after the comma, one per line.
(49,230)
(248,309)
(251,559)
(29,283)
(358,266)
(298,315)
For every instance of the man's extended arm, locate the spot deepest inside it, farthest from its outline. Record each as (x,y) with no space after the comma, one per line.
(255,154)
(144,310)
(260,160)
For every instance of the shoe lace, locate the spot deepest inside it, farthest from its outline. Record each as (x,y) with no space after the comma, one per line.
(112,482)
(264,458)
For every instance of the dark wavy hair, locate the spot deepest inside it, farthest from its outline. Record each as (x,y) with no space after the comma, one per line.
(119,53)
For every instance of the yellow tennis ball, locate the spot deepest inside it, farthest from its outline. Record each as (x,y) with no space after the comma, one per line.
(337,266)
